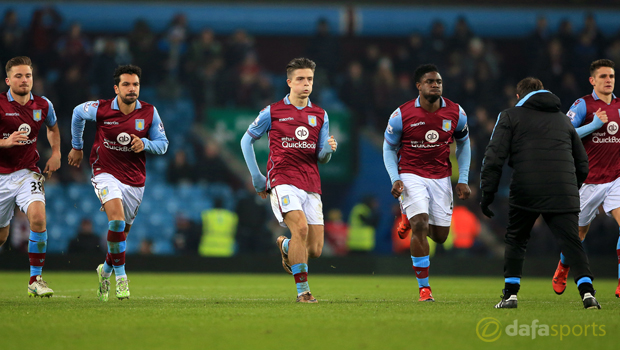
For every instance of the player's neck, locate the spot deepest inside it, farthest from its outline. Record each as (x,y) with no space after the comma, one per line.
(605,97)
(125,108)
(298,101)
(22,100)
(428,106)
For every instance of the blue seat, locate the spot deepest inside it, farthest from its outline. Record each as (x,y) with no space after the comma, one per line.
(163,247)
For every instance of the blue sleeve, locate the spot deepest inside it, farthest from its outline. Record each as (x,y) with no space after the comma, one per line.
(258,179)
(261,124)
(390,159)
(394,129)
(82,113)
(157,143)
(325,150)
(577,113)
(462,131)
(463,158)
(51,118)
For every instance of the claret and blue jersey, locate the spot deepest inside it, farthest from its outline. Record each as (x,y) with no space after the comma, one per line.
(601,140)
(111,152)
(29,118)
(423,138)
(297,136)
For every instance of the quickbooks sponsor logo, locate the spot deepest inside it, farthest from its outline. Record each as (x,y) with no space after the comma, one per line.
(489,329)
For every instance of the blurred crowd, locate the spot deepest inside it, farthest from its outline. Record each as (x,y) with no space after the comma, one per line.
(369,77)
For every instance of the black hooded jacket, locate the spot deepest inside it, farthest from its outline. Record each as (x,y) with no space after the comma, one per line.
(545,152)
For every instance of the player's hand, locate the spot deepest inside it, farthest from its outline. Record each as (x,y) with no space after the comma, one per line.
(136,144)
(331,142)
(397,188)
(75,157)
(17,138)
(602,115)
(52,165)
(487,199)
(462,190)
(259,182)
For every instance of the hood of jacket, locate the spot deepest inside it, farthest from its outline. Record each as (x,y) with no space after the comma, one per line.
(540,100)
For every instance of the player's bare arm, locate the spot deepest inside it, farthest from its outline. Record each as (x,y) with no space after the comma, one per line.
(53,164)
(136,144)
(397,188)
(75,157)
(17,138)
(463,191)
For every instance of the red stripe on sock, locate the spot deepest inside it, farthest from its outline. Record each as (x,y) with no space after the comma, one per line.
(108,259)
(36,259)
(421,272)
(301,277)
(117,259)
(116,236)
(618,252)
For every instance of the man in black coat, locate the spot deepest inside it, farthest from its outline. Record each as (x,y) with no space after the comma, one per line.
(549,165)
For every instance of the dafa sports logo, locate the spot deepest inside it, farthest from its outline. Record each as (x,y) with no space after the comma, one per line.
(490,329)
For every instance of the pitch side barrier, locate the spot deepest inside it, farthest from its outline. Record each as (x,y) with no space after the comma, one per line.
(284,20)
(364,265)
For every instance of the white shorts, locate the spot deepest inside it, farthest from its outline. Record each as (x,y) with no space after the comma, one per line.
(21,187)
(107,187)
(427,196)
(592,196)
(285,198)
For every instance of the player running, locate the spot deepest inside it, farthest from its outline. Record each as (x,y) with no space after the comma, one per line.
(22,114)
(126,128)
(416,152)
(298,132)
(596,119)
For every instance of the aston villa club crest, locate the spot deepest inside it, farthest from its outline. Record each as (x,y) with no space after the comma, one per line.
(139,124)
(285,200)
(446,125)
(312,120)
(36,115)
(104,192)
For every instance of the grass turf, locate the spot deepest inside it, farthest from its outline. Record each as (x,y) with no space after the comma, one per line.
(236,311)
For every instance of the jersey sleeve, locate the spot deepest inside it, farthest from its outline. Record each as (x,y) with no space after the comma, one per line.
(261,124)
(394,129)
(82,113)
(577,113)
(462,130)
(157,143)
(51,118)
(324,133)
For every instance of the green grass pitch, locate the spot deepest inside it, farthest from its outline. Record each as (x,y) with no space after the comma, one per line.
(240,311)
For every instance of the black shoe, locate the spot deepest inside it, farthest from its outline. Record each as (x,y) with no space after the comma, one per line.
(509,301)
(589,302)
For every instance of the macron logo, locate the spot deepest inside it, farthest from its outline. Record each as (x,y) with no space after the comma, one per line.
(41,260)
(418,272)
(117,260)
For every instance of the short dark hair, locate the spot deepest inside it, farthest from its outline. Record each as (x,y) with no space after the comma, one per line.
(423,69)
(528,85)
(601,63)
(126,69)
(299,63)
(18,61)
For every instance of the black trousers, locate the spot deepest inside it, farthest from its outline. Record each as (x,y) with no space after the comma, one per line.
(565,228)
